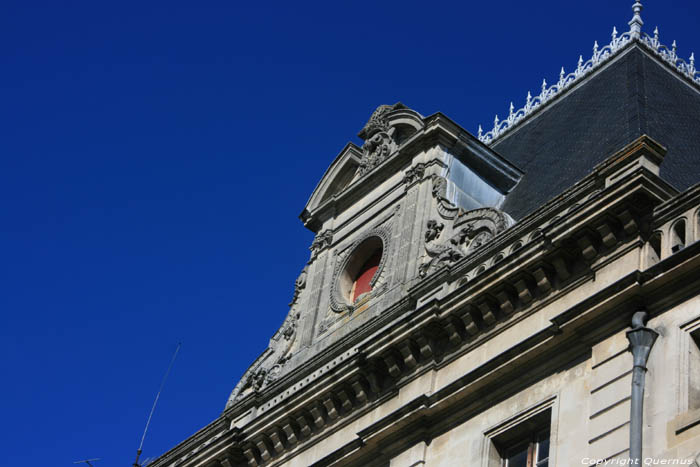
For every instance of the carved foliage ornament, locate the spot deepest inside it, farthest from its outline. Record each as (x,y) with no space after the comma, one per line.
(470,231)
(378,136)
(414,174)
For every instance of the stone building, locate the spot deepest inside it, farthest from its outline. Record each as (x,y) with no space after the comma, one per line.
(487,300)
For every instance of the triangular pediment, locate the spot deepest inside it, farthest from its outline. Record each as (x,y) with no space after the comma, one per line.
(337,177)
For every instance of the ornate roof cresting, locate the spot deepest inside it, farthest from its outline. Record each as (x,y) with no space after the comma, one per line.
(600,56)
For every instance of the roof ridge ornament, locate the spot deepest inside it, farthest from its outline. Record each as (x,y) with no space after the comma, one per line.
(600,56)
(636,22)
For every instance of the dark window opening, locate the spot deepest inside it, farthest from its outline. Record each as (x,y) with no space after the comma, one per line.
(678,236)
(533,452)
(525,445)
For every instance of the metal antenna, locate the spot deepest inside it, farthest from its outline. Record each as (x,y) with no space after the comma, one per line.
(155,402)
(87,461)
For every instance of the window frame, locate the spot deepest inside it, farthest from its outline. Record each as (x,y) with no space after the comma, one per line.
(528,424)
(533,441)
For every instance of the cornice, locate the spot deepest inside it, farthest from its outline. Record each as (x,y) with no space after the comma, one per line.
(215,433)
(677,205)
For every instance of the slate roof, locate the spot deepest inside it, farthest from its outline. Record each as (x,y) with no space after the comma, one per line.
(634,94)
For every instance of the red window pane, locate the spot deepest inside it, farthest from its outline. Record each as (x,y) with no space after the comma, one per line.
(365,275)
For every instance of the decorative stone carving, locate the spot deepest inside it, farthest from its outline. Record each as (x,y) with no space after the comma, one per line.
(299,284)
(433,231)
(378,135)
(268,367)
(377,121)
(375,150)
(470,231)
(414,174)
(489,218)
(439,188)
(480,239)
(322,241)
(439,253)
(445,208)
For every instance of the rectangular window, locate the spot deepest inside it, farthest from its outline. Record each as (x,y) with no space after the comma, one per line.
(532,452)
(526,444)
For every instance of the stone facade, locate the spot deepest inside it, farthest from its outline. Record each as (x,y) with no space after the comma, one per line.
(479,331)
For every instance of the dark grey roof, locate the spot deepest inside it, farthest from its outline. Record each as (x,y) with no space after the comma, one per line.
(635,94)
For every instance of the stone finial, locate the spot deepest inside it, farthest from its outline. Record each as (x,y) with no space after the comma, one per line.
(636,22)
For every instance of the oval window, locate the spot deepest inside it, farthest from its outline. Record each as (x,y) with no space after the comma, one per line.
(356,279)
(362,283)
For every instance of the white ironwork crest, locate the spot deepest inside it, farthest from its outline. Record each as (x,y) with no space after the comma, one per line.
(600,56)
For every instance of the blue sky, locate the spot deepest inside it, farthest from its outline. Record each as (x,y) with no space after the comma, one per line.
(154,159)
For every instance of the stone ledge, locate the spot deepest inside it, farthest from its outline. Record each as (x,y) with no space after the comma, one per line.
(686,421)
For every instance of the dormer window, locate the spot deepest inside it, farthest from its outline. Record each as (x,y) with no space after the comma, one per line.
(363,280)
